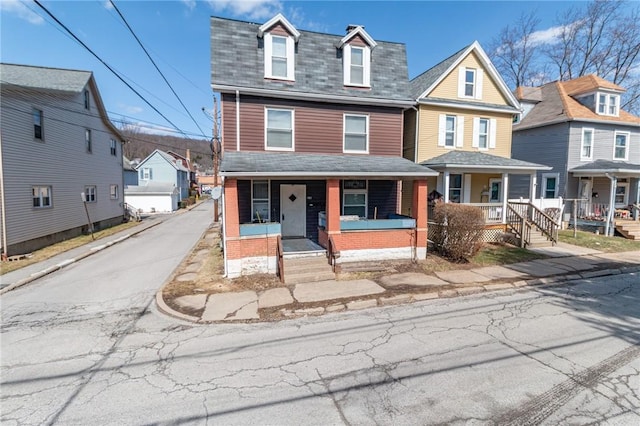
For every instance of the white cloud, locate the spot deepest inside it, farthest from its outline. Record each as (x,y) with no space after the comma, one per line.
(548,36)
(190,4)
(108,5)
(20,9)
(131,109)
(296,16)
(251,9)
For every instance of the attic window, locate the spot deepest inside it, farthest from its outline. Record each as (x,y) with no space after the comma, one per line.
(279,38)
(470,83)
(357,65)
(608,104)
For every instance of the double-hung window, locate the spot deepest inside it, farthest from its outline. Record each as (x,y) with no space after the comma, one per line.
(113,147)
(279,129)
(620,145)
(279,54)
(356,63)
(450,131)
(41,196)
(356,133)
(586,152)
(90,195)
(354,198)
(455,188)
(483,133)
(113,192)
(260,201)
(87,139)
(146,173)
(469,82)
(37,124)
(549,185)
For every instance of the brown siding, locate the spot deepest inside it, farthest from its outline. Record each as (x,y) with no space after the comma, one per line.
(228,121)
(280,30)
(358,41)
(318,127)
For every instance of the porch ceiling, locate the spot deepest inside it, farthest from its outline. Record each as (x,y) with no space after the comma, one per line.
(281,164)
(604,167)
(480,162)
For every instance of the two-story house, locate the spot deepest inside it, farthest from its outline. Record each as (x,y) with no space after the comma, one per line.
(312,130)
(460,126)
(57,145)
(592,146)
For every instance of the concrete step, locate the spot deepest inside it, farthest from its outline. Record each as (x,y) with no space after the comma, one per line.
(361,267)
(307,277)
(306,264)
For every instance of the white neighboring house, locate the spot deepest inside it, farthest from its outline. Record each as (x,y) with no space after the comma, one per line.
(56,143)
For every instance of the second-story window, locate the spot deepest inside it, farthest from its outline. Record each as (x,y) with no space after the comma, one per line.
(450,131)
(608,104)
(469,82)
(586,153)
(620,148)
(483,133)
(356,133)
(279,129)
(112,147)
(37,124)
(90,195)
(87,100)
(87,139)
(279,57)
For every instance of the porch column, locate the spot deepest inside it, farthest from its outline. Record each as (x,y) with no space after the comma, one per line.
(446,187)
(608,230)
(419,209)
(505,193)
(333,206)
(533,184)
(231,213)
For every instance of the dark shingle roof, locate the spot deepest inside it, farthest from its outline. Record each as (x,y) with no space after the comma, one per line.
(237,60)
(422,82)
(603,166)
(320,165)
(44,78)
(479,160)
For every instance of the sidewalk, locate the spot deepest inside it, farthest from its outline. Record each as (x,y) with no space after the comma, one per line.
(565,263)
(30,273)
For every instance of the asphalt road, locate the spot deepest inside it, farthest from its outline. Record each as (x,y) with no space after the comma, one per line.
(87,346)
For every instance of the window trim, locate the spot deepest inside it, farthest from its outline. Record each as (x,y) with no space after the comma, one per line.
(487,134)
(87,100)
(460,188)
(625,200)
(114,195)
(344,134)
(491,182)
(40,116)
(268,57)
(582,146)
(88,141)
(113,147)
(606,106)
(351,191)
(366,66)
(626,146)
(268,199)
(266,129)
(543,187)
(454,132)
(40,198)
(90,194)
(478,75)
(146,173)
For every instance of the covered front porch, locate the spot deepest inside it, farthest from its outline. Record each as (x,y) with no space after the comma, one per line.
(607,195)
(347,205)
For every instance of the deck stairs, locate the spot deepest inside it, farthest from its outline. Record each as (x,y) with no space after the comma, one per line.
(310,268)
(629,229)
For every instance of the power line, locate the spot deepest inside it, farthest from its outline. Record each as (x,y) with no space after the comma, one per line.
(155,65)
(105,64)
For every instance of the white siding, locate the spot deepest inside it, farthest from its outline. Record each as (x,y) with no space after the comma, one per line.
(59,161)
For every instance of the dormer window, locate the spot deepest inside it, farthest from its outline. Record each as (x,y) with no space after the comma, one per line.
(608,104)
(279,38)
(356,56)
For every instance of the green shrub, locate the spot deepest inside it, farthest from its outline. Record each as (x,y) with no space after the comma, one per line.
(458,230)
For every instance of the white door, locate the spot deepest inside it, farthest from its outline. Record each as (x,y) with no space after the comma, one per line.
(293,211)
(584,205)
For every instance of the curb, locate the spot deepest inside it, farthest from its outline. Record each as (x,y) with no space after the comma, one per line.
(67,262)
(385,301)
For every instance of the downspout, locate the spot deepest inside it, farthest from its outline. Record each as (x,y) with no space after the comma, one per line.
(237,120)
(612,201)
(224,233)
(415,136)
(636,211)
(4,213)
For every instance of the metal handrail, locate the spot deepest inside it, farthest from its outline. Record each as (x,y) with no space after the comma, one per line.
(280,256)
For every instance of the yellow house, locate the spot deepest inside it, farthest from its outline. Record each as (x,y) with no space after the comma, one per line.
(460,127)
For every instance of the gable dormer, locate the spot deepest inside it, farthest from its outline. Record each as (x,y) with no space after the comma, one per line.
(356,56)
(280,38)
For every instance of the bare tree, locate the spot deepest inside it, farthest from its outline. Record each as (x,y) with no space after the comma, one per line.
(514,52)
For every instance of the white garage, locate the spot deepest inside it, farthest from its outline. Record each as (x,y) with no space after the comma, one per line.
(153,198)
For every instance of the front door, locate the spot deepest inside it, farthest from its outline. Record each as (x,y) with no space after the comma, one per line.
(293,210)
(585,194)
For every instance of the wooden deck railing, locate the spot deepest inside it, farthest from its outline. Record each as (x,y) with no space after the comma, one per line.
(522,215)
(280,256)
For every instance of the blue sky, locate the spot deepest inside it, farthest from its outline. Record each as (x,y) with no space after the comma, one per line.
(176,34)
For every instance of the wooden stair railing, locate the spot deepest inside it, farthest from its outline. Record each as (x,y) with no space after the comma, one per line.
(521,216)
(280,256)
(332,253)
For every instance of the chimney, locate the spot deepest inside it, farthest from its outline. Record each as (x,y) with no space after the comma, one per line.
(352,27)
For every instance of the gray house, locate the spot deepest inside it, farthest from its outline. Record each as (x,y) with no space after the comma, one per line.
(593,146)
(161,167)
(57,145)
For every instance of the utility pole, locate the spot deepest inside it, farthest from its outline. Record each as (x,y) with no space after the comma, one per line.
(215,147)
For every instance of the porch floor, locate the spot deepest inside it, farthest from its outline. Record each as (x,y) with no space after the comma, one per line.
(300,245)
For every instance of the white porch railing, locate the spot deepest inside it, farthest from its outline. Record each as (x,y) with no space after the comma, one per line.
(492,212)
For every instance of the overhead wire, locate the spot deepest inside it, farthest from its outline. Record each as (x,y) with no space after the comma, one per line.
(106,65)
(155,65)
